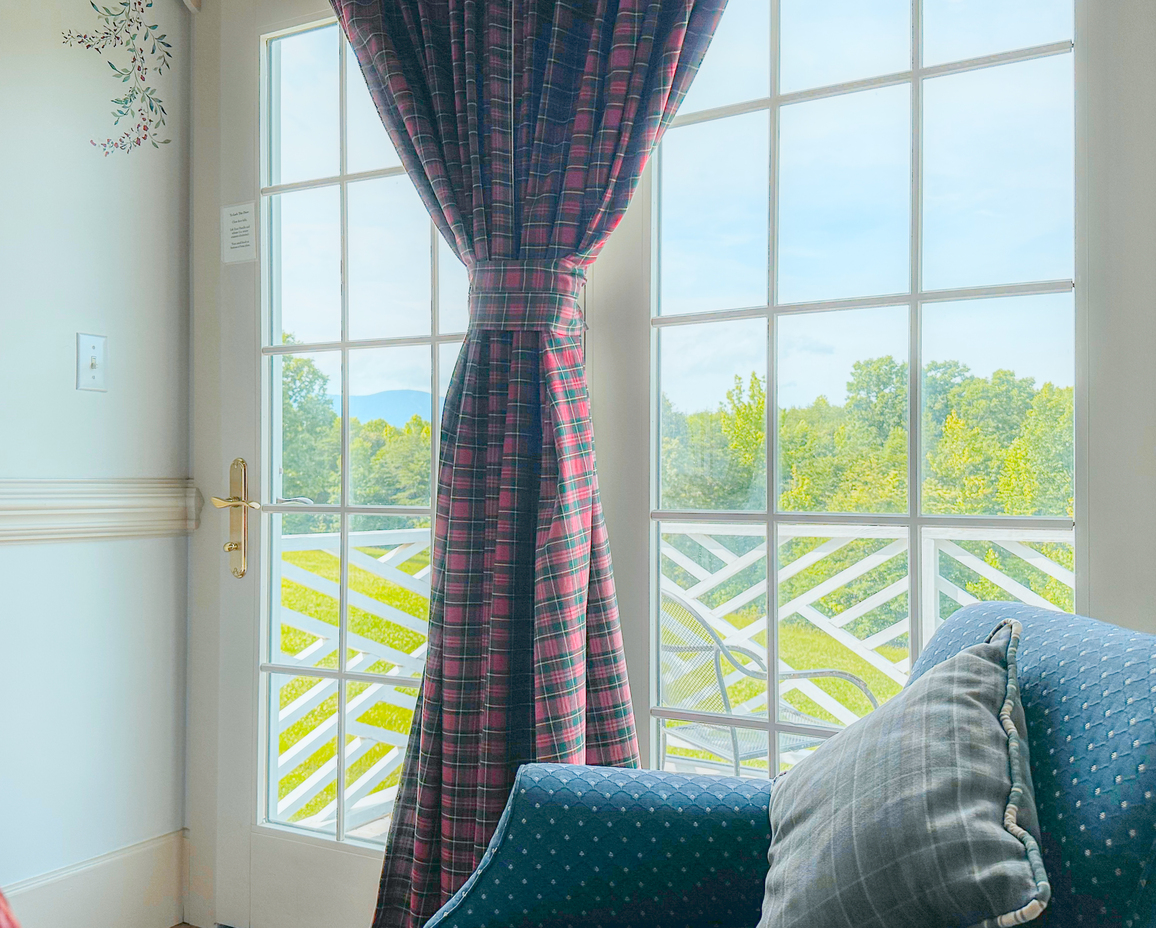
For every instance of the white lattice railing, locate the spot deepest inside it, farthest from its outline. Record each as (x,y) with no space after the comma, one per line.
(304,729)
(712,575)
(843,605)
(945,548)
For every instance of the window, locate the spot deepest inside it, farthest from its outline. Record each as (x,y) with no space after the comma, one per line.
(851,193)
(365,312)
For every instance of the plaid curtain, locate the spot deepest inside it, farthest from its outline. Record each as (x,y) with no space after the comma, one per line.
(525,126)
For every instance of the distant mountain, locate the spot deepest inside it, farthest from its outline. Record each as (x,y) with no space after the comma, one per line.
(396,407)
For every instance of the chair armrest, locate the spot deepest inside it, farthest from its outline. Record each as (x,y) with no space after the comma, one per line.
(609,846)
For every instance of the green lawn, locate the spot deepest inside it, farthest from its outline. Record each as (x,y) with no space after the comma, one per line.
(801,645)
(325,608)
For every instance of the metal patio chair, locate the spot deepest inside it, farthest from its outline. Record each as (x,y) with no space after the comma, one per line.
(692,654)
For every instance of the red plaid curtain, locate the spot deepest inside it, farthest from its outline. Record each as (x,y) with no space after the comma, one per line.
(7,919)
(525,126)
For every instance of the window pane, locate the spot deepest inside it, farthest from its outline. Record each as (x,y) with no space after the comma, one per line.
(377,722)
(831,41)
(389,426)
(304,98)
(957,29)
(963,566)
(453,291)
(307,426)
(368,147)
(843,621)
(389,260)
(712,622)
(998,380)
(718,750)
(714,215)
(388,595)
(843,410)
(713,393)
(303,752)
(305,265)
(448,353)
(306,570)
(999,175)
(737,64)
(793,748)
(844,196)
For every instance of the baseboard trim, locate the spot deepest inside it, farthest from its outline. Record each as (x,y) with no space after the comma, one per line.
(139,886)
(36,511)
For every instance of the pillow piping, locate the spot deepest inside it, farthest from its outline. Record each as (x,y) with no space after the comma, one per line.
(1018,767)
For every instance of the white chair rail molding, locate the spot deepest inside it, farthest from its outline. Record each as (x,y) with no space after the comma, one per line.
(89,509)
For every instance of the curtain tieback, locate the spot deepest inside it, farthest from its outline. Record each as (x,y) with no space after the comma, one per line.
(509,296)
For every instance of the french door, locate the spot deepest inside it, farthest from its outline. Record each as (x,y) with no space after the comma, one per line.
(337,342)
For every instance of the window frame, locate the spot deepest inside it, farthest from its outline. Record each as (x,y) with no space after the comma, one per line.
(637,244)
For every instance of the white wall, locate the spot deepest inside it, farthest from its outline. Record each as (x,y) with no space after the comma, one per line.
(92,688)
(92,635)
(618,370)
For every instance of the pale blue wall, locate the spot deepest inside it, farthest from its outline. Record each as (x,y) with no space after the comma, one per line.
(92,635)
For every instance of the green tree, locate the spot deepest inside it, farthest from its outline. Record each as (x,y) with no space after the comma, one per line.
(939,379)
(388,465)
(992,445)
(1036,478)
(995,406)
(716,459)
(962,470)
(311,433)
(966,456)
(877,396)
(808,458)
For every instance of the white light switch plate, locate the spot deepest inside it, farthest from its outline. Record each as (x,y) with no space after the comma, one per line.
(91,361)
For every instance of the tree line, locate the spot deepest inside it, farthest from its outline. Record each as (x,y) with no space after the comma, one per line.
(996,445)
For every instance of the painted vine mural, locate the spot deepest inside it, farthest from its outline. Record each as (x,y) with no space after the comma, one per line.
(125,27)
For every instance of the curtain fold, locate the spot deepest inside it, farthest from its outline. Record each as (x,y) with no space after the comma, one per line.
(7,919)
(525,126)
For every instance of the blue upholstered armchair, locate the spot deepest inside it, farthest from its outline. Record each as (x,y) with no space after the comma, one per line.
(599,846)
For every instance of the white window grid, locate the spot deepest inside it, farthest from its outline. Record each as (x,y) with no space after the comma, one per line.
(920,528)
(271,420)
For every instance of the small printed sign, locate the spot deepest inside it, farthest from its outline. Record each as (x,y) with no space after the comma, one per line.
(238,234)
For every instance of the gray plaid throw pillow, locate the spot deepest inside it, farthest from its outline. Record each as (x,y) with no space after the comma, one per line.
(921,814)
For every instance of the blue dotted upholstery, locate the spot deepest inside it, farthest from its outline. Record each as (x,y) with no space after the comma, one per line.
(1089,694)
(604,846)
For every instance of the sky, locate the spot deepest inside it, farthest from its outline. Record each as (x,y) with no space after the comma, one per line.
(997,169)
(378,370)
(1031,335)
(998,206)
(308,91)
(827,42)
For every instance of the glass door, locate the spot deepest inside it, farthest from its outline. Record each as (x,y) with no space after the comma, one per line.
(322,364)
(365,310)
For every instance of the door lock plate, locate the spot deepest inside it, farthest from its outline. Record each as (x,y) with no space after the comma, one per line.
(238,504)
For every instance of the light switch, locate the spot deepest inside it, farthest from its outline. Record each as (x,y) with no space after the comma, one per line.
(91,361)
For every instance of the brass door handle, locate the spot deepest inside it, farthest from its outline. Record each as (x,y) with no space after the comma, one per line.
(233,502)
(238,504)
